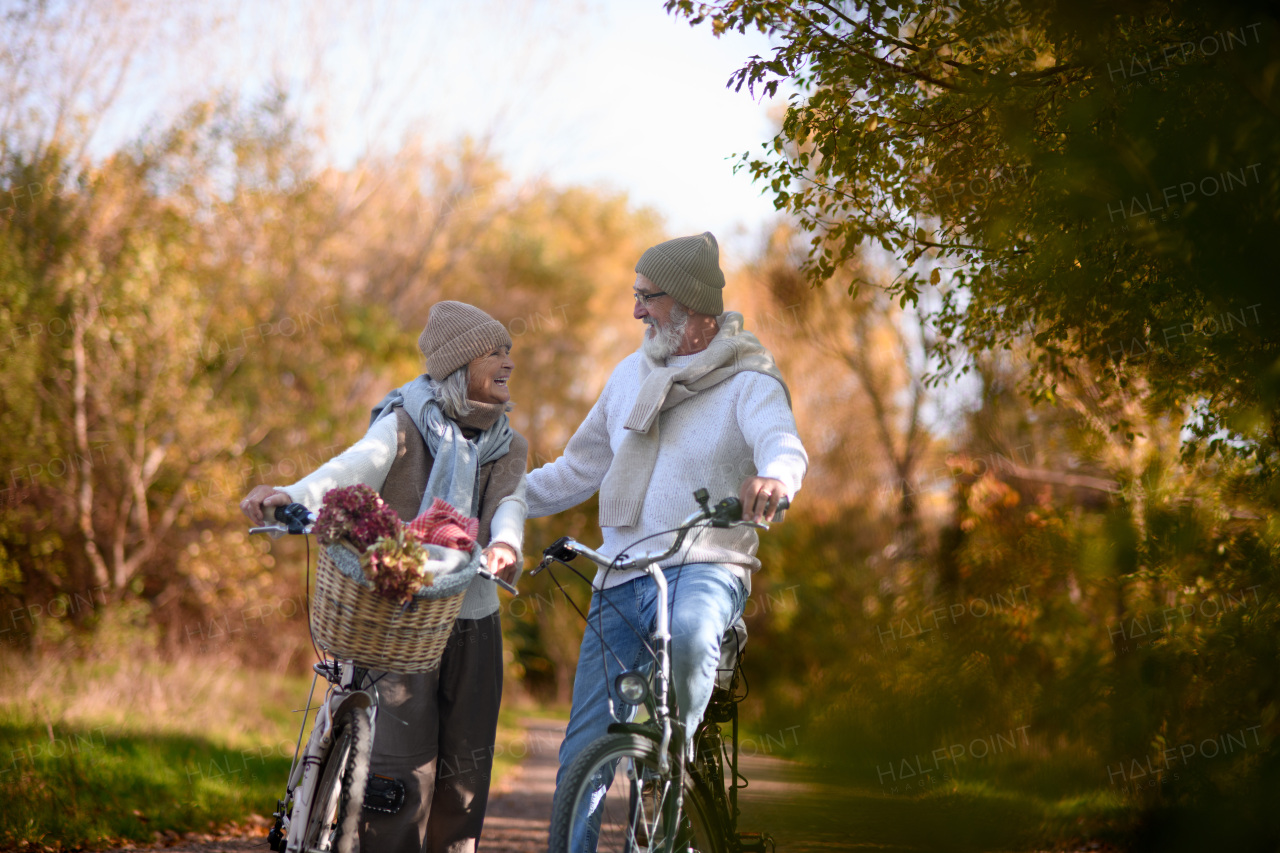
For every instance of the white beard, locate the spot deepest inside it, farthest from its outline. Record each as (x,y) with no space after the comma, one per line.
(665,340)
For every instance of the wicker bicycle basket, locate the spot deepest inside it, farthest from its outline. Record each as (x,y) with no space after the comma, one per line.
(352,622)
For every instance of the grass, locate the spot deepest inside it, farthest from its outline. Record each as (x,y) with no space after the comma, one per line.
(93,752)
(799,802)
(97,752)
(1003,805)
(1030,799)
(88,787)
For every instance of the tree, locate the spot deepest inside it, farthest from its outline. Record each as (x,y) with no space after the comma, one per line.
(870,343)
(1097,175)
(1080,198)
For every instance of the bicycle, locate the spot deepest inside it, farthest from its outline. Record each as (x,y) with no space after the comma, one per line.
(329,781)
(664,797)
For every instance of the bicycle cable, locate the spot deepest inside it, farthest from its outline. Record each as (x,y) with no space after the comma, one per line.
(739,657)
(585,618)
(307,602)
(698,530)
(746,683)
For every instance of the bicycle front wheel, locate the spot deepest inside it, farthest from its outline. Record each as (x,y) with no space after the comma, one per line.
(616,801)
(333,823)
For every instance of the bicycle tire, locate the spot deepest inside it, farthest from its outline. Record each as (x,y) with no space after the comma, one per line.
(333,823)
(632,818)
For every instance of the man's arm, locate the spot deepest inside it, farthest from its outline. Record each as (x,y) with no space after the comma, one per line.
(769,428)
(507,529)
(577,474)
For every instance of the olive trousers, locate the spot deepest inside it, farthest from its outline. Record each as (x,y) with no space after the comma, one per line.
(435,733)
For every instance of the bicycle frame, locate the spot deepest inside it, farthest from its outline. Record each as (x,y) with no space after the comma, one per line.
(658,702)
(659,708)
(344,693)
(303,773)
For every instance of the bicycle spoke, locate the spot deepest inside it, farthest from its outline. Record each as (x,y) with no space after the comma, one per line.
(623,802)
(331,826)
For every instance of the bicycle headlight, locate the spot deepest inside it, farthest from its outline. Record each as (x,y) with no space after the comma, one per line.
(633,688)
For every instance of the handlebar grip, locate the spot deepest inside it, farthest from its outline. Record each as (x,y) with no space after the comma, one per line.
(783,503)
(294,516)
(560,550)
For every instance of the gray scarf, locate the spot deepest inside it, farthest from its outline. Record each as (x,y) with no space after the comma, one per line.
(732,351)
(455,473)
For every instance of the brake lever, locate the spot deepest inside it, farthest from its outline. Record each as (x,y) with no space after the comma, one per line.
(557,550)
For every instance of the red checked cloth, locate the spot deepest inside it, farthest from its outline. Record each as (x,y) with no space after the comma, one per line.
(443,525)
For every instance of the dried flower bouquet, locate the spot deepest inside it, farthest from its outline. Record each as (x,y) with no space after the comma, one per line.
(392,555)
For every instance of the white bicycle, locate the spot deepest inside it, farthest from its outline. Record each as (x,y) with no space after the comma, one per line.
(330,782)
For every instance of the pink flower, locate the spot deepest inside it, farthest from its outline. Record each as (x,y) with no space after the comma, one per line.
(396,569)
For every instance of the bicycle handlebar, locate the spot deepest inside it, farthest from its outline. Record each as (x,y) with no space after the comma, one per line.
(727,513)
(296,519)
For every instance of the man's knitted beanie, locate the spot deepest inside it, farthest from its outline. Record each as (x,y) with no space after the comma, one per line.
(688,268)
(456,334)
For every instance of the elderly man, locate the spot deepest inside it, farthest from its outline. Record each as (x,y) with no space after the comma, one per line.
(700,404)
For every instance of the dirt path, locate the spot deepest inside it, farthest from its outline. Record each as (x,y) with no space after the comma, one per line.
(520,809)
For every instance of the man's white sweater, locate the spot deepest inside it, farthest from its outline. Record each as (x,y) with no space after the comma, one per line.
(739,428)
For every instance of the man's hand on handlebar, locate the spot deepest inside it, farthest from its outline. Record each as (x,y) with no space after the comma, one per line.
(262,496)
(760,497)
(501,560)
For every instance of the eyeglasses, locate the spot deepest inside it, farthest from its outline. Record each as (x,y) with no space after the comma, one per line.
(645,298)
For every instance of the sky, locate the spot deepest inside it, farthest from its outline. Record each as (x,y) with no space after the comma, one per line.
(610,93)
(615,94)
(642,105)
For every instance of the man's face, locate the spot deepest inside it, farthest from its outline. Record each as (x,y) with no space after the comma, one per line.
(654,312)
(667,320)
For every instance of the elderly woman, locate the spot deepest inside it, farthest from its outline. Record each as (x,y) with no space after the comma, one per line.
(435,436)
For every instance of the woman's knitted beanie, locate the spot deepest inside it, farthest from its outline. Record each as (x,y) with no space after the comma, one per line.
(688,268)
(456,334)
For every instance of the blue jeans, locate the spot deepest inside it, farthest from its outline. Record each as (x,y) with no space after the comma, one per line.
(705,600)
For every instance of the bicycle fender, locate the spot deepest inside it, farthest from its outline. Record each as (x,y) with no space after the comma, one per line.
(646,730)
(334,706)
(357,699)
(634,729)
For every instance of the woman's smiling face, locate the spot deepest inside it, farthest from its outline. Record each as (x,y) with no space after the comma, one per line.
(487,376)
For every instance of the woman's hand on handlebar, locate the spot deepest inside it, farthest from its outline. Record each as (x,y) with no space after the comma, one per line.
(501,560)
(760,496)
(255,503)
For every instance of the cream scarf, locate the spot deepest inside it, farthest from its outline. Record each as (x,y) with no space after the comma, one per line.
(732,351)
